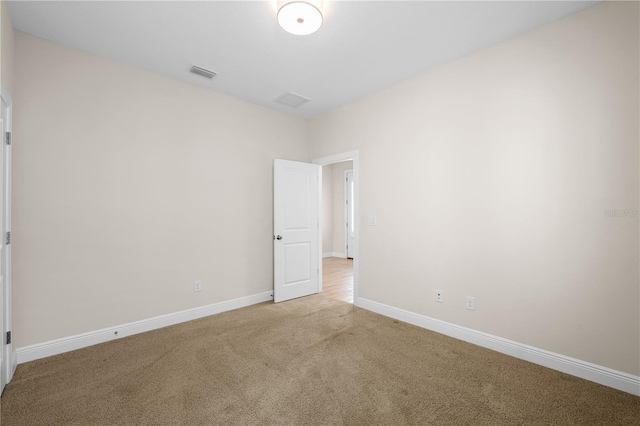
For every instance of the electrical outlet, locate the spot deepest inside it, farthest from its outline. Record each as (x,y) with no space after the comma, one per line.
(471,303)
(197,285)
(439,296)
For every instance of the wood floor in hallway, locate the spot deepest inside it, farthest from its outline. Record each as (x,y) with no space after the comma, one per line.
(337,278)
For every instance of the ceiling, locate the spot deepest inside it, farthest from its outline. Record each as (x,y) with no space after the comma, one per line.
(362,46)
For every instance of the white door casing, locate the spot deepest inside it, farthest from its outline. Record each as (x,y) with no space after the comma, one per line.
(6,364)
(349,215)
(3,358)
(296,241)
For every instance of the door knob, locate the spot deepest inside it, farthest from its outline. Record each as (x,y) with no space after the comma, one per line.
(279,237)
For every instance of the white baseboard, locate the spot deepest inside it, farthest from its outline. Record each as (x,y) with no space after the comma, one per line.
(586,370)
(583,369)
(334,254)
(66,344)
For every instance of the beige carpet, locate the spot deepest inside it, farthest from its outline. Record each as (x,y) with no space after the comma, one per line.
(313,360)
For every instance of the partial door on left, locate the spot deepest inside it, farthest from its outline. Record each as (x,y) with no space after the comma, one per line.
(6,364)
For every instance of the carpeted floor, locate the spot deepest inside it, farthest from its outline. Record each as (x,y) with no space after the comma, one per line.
(313,360)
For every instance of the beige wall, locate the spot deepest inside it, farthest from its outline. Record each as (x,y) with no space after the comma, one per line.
(339,223)
(327,208)
(490,177)
(6,49)
(128,186)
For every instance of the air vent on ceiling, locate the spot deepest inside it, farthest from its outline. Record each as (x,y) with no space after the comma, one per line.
(203,72)
(291,100)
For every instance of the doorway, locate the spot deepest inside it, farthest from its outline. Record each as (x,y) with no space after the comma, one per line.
(298,228)
(339,226)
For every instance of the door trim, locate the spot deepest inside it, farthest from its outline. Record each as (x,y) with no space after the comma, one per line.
(337,158)
(346,211)
(9,355)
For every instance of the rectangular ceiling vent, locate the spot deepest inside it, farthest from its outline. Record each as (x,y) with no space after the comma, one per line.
(203,72)
(291,100)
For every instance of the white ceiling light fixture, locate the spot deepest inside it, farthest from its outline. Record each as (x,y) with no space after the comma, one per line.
(300,17)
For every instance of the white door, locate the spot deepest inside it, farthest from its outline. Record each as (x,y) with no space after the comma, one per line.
(6,371)
(296,240)
(349,216)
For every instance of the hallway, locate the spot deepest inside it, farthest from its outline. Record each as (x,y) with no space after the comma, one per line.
(337,278)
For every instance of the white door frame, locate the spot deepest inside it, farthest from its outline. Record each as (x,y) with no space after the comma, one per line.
(9,355)
(338,158)
(346,211)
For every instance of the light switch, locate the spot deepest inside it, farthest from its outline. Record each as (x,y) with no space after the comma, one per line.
(371,221)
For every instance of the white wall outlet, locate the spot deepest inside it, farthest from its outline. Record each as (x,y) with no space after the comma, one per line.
(471,303)
(197,285)
(371,221)
(439,296)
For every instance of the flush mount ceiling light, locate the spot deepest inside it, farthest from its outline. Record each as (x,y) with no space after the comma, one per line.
(300,17)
